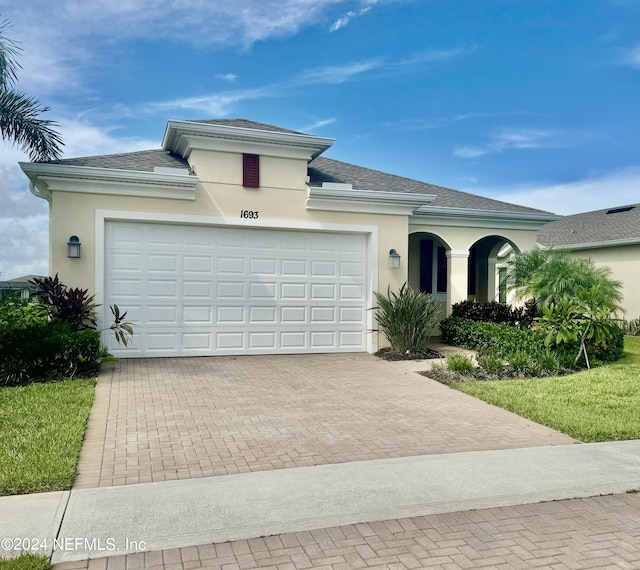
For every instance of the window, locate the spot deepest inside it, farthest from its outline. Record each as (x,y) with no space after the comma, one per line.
(251,170)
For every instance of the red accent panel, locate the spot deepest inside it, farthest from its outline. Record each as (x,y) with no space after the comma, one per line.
(251,170)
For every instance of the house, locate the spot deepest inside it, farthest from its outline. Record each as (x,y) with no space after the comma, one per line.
(238,237)
(20,287)
(611,238)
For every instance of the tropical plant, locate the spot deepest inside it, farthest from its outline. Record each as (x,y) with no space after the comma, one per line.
(70,305)
(20,120)
(550,276)
(406,318)
(460,363)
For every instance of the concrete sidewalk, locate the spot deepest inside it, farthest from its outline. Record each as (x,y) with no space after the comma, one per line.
(107,521)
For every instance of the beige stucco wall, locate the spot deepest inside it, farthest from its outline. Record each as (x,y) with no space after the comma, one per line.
(624,262)
(220,196)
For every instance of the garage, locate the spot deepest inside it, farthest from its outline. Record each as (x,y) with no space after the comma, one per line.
(217,290)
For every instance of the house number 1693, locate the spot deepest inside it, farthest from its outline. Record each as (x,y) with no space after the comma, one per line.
(253,215)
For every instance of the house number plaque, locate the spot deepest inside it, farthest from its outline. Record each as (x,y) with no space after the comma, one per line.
(249,214)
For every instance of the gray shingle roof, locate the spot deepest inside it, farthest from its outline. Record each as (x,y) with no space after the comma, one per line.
(246,124)
(143,161)
(328,170)
(593,227)
(320,170)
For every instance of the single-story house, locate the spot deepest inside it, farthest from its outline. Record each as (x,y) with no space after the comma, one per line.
(611,238)
(238,237)
(20,287)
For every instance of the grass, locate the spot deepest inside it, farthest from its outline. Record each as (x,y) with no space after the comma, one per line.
(42,428)
(25,562)
(594,405)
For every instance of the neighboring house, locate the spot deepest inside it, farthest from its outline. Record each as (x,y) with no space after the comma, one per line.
(239,238)
(611,238)
(20,287)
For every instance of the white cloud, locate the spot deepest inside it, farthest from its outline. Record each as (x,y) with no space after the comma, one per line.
(24,219)
(317,125)
(518,139)
(339,73)
(231,77)
(437,55)
(631,57)
(63,40)
(596,191)
(222,103)
(344,20)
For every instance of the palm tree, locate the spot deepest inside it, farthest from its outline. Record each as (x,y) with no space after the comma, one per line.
(19,113)
(550,276)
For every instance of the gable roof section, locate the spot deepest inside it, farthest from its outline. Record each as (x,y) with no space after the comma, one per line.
(240,135)
(246,124)
(333,171)
(141,161)
(598,228)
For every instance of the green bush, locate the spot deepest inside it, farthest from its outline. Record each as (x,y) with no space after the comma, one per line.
(497,338)
(491,363)
(494,312)
(460,363)
(407,318)
(43,351)
(503,340)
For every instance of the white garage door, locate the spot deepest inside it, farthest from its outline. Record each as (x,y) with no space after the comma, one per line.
(200,290)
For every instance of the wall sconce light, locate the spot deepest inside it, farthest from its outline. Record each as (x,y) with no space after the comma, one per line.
(394,259)
(73,247)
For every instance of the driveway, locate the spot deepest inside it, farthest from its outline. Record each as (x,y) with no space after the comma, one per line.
(179,418)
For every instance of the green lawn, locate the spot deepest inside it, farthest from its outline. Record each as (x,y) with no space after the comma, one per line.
(25,562)
(41,433)
(602,404)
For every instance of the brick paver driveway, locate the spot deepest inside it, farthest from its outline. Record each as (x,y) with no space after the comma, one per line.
(179,418)
(598,532)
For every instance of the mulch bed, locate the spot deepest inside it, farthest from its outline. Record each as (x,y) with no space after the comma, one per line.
(388,354)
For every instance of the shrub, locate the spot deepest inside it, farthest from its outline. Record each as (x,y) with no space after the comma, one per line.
(492,312)
(497,338)
(70,305)
(491,363)
(42,351)
(460,363)
(502,340)
(524,363)
(407,318)
(631,327)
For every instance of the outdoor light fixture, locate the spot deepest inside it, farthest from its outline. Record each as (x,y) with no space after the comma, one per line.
(73,247)
(394,258)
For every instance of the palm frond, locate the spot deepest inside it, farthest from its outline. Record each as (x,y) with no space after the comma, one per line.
(20,123)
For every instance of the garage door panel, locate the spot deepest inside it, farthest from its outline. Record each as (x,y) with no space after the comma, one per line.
(231,290)
(266,266)
(197,289)
(293,291)
(262,315)
(160,315)
(200,290)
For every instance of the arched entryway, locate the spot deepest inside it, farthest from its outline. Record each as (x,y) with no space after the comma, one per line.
(485,265)
(428,265)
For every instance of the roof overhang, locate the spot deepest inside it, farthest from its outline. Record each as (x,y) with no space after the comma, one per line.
(593,244)
(182,137)
(338,198)
(470,218)
(47,178)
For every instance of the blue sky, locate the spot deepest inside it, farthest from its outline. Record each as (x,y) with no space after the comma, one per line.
(529,101)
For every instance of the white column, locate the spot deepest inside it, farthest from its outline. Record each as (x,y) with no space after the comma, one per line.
(457,276)
(492,279)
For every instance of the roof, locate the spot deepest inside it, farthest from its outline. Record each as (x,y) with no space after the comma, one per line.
(597,228)
(320,170)
(142,161)
(328,170)
(246,124)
